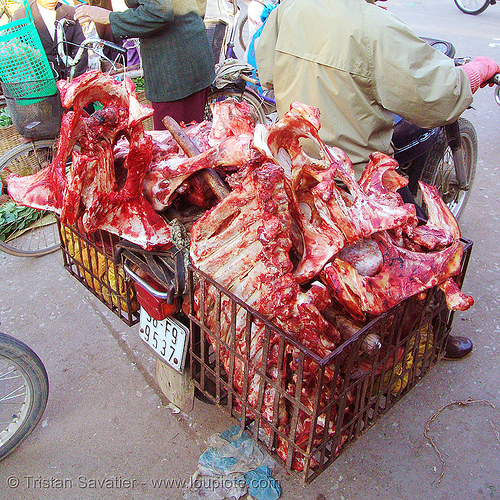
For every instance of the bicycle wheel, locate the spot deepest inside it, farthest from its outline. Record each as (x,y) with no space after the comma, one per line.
(472,7)
(24,390)
(26,232)
(258,111)
(439,168)
(244,32)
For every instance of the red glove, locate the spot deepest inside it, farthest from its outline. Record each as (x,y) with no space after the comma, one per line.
(479,71)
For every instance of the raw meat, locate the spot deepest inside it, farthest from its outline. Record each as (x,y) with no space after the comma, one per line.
(330,217)
(94,190)
(243,243)
(288,222)
(404,272)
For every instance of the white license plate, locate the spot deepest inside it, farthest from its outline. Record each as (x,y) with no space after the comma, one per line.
(168,338)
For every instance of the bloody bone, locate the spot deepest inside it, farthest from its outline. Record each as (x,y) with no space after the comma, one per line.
(209,175)
(405,271)
(90,191)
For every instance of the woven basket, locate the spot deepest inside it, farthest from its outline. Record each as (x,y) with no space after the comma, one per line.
(148,123)
(9,138)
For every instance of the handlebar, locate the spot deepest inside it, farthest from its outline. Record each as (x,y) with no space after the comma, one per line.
(93,43)
(496,79)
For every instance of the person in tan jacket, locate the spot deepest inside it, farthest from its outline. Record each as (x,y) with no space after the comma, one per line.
(360,65)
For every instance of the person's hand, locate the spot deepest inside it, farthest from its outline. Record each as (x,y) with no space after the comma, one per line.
(86,13)
(480,70)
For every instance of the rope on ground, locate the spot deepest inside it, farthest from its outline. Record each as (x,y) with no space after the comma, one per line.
(468,402)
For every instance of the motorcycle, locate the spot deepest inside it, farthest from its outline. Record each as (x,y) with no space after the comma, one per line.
(445,156)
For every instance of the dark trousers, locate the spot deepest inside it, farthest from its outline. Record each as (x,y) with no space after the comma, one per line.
(188,109)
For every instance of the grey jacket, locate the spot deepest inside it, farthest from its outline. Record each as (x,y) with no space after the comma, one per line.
(176,56)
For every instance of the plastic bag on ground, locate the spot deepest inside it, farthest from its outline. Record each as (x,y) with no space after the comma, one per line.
(232,466)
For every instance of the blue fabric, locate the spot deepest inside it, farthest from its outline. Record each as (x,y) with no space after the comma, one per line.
(261,485)
(268,8)
(238,457)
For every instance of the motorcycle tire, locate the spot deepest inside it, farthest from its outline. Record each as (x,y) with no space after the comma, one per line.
(472,7)
(439,168)
(24,390)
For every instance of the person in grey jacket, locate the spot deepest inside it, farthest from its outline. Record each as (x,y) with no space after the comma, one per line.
(176,55)
(45,14)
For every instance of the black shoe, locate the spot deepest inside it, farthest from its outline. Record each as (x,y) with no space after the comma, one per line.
(457,347)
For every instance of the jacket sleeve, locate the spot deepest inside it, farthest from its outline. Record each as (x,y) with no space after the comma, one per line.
(143,18)
(265,50)
(435,91)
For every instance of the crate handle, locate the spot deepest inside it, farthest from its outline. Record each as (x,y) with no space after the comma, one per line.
(168,295)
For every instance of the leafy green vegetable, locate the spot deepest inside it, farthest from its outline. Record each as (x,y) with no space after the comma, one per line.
(15,218)
(5,119)
(139,83)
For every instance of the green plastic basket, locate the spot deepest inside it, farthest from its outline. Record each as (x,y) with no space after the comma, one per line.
(23,59)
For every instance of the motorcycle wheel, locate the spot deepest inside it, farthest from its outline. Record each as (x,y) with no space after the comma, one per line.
(472,7)
(439,169)
(24,389)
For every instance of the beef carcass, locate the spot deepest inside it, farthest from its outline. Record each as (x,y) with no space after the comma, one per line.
(404,272)
(93,86)
(225,147)
(249,244)
(45,189)
(243,243)
(168,172)
(330,217)
(90,191)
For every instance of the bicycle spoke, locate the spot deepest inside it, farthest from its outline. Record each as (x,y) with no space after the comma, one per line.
(14,394)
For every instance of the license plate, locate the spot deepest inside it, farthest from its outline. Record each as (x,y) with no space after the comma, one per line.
(168,338)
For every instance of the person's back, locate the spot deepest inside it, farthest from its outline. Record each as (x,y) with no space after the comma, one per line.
(359,65)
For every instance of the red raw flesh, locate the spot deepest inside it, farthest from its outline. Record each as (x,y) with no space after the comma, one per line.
(245,244)
(90,191)
(403,274)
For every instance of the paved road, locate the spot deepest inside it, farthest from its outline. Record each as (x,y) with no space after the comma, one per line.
(105,420)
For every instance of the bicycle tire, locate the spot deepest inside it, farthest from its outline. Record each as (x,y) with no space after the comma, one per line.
(258,113)
(39,238)
(439,168)
(472,7)
(18,361)
(243,32)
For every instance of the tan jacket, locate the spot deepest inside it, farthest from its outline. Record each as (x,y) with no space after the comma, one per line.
(359,65)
